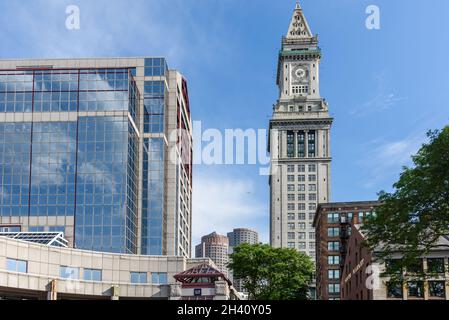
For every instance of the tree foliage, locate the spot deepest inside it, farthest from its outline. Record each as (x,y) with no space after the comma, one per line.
(272,273)
(416,214)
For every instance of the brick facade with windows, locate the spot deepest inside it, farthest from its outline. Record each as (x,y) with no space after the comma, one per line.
(363,279)
(332,224)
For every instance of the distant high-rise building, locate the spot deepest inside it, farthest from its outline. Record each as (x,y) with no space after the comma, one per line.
(242,235)
(237,237)
(90,147)
(214,246)
(299,141)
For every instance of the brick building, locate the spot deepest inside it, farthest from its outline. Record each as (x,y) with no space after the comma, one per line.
(363,275)
(332,223)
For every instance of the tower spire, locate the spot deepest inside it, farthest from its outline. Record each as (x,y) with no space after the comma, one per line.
(299,28)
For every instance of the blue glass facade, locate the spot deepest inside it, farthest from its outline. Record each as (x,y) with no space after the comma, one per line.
(153,222)
(85,149)
(85,167)
(15,144)
(155,67)
(153,196)
(154,107)
(53,171)
(106,213)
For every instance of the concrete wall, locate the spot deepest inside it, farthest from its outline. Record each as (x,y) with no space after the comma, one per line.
(44,262)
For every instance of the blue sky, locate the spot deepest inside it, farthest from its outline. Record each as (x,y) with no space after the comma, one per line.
(385,87)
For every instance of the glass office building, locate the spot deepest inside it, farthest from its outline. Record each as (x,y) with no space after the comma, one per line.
(84,149)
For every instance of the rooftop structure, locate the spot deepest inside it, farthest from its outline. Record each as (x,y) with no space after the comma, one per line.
(205,282)
(55,239)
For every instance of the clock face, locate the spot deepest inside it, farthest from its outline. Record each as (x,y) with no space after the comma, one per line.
(300,74)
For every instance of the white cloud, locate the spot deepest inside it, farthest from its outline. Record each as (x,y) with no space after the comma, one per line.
(222,203)
(387,158)
(383,100)
(124,28)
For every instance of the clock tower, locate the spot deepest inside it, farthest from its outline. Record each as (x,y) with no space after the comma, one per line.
(299,141)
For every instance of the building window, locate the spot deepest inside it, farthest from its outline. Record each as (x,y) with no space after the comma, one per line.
(312,167)
(333,217)
(350,215)
(56,229)
(9,229)
(301,245)
(333,260)
(301,225)
(301,178)
(301,216)
(301,187)
(334,288)
(312,235)
(15,265)
(291,226)
(301,235)
(435,265)
(302,197)
(334,274)
(159,278)
(301,168)
(155,67)
(36,229)
(333,246)
(416,289)
(138,277)
(311,216)
(69,273)
(92,275)
(290,168)
(291,245)
(301,206)
(300,89)
(290,206)
(291,187)
(291,236)
(290,144)
(291,178)
(291,197)
(312,206)
(333,232)
(312,245)
(311,144)
(312,187)
(393,266)
(291,216)
(416,266)
(394,290)
(437,289)
(361,216)
(312,197)
(301,146)
(312,177)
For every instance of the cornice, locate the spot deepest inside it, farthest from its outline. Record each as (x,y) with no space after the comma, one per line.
(295,124)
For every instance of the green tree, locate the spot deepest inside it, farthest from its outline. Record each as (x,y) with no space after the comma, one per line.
(272,273)
(416,214)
